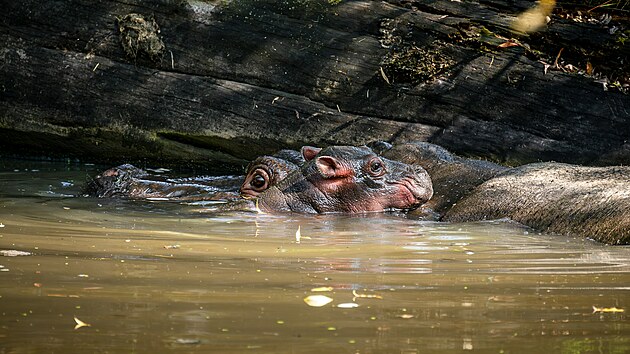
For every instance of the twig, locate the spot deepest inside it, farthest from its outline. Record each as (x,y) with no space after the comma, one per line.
(555,63)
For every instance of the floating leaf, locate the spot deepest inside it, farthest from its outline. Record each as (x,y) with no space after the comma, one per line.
(348,305)
(366,296)
(187,341)
(317,300)
(80,323)
(322,289)
(607,309)
(14,253)
(406,316)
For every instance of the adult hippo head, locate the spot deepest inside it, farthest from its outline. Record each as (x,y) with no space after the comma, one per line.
(347,179)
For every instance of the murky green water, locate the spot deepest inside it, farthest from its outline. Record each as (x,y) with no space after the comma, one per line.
(167,277)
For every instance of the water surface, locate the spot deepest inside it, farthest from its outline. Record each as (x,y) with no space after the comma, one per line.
(170,277)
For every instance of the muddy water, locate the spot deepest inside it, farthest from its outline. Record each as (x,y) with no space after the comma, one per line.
(168,277)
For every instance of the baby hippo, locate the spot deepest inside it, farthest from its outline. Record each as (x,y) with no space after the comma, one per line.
(266,171)
(347,179)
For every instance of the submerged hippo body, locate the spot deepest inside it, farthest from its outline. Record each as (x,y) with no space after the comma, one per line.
(592,202)
(347,179)
(128,181)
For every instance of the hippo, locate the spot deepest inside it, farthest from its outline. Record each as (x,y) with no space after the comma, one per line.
(347,179)
(131,182)
(265,171)
(591,202)
(337,179)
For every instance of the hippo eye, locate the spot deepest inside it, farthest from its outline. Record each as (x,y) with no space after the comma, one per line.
(376,167)
(258,181)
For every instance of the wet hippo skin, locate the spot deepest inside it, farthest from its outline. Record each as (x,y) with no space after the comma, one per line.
(338,179)
(266,171)
(128,181)
(348,179)
(591,202)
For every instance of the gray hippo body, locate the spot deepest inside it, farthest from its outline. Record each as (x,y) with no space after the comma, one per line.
(592,202)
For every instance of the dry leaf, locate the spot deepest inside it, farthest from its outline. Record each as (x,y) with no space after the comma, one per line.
(348,305)
(607,309)
(508,44)
(366,296)
(384,76)
(317,300)
(535,18)
(322,289)
(589,68)
(80,323)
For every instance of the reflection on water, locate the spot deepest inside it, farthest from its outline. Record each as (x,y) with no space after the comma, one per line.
(168,277)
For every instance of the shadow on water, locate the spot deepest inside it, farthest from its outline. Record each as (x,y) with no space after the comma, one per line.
(174,277)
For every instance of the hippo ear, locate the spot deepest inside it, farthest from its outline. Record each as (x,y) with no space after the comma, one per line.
(330,167)
(309,152)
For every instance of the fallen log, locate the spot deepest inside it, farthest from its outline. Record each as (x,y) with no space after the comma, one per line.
(235,80)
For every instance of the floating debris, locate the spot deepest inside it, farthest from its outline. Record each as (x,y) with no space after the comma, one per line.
(348,305)
(80,323)
(298,235)
(366,296)
(187,341)
(607,309)
(322,289)
(405,316)
(317,300)
(1,224)
(170,247)
(14,253)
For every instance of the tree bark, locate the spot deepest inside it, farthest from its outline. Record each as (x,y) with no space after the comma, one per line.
(243,78)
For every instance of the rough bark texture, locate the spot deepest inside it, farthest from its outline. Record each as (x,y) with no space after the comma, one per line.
(237,79)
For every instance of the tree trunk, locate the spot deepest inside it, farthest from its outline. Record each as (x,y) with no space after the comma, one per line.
(237,79)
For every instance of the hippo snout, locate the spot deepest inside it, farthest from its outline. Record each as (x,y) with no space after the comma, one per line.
(419,184)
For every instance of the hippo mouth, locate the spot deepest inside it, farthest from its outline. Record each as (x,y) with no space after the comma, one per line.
(411,194)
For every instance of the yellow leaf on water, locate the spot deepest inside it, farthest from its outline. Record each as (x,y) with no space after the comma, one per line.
(322,289)
(366,296)
(317,300)
(607,309)
(80,323)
